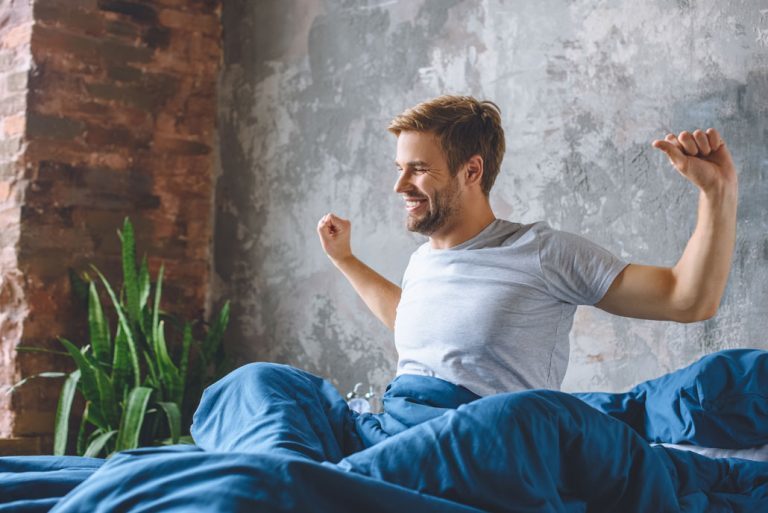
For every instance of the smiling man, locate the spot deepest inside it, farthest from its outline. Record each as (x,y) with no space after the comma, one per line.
(485,309)
(488,303)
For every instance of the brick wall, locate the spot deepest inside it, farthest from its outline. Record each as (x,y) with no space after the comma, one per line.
(15,63)
(119,121)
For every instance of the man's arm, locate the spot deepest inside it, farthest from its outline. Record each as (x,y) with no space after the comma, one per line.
(692,289)
(379,294)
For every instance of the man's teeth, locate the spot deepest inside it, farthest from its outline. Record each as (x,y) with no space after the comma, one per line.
(412,203)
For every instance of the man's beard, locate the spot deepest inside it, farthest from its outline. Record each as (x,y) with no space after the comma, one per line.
(445,207)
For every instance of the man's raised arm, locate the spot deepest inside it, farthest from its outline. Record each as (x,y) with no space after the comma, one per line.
(692,289)
(379,294)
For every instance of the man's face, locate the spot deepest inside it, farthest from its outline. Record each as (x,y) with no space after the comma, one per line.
(431,194)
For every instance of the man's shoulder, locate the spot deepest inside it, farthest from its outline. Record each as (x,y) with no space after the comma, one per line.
(513,234)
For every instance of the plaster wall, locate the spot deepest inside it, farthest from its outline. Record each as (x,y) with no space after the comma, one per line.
(307,90)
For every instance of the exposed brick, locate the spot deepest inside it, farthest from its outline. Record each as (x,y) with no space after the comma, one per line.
(206,6)
(180,146)
(86,5)
(52,238)
(68,16)
(156,37)
(20,446)
(117,137)
(12,104)
(10,147)
(34,422)
(13,125)
(20,14)
(111,160)
(9,170)
(5,190)
(53,149)
(119,111)
(113,51)
(56,70)
(134,95)
(16,82)
(139,12)
(123,28)
(124,73)
(13,60)
(52,39)
(9,237)
(52,127)
(16,36)
(193,22)
(80,186)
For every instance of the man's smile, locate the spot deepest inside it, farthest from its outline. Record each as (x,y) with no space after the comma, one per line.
(413,204)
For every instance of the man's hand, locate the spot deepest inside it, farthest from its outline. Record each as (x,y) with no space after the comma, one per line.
(701,157)
(334,235)
(379,294)
(692,289)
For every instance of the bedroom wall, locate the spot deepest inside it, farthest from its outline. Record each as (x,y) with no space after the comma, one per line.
(309,86)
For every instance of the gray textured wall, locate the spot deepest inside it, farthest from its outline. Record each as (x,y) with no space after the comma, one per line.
(309,86)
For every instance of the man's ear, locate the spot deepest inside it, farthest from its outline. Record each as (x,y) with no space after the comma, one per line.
(473,171)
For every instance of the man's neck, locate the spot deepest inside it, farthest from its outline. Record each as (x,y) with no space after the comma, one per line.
(467,227)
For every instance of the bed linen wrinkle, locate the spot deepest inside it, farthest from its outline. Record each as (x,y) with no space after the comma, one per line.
(273,438)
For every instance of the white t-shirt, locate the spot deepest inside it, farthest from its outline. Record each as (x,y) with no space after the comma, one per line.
(493,313)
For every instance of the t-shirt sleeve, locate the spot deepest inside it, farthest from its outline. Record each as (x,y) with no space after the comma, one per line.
(576,270)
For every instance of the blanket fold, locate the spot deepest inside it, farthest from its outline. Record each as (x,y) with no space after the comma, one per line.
(274,438)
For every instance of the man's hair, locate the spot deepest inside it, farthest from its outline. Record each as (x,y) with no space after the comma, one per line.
(464,126)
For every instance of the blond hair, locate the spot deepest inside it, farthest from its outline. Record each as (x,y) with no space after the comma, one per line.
(464,126)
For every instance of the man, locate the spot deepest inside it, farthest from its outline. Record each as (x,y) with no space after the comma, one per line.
(488,304)
(485,309)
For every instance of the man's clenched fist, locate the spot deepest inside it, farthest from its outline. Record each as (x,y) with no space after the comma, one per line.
(334,235)
(701,157)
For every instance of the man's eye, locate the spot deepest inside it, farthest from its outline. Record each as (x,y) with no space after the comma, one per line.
(412,170)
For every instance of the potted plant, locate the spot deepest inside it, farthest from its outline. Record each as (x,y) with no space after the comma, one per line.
(136,390)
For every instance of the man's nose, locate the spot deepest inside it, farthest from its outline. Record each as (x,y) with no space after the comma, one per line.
(403,183)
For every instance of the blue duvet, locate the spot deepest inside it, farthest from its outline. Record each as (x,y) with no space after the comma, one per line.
(274,438)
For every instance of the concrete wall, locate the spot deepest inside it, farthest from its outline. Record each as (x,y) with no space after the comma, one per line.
(309,86)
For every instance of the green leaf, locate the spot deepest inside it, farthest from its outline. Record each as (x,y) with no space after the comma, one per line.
(90,385)
(215,334)
(19,383)
(96,418)
(32,349)
(98,443)
(63,410)
(169,374)
(132,348)
(130,280)
(98,326)
(108,404)
(81,432)
(173,414)
(186,342)
(121,360)
(144,284)
(153,379)
(133,418)
(156,309)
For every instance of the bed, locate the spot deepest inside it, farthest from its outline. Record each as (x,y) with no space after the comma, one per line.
(272,438)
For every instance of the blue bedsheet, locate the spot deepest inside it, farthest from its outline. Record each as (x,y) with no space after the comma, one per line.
(274,438)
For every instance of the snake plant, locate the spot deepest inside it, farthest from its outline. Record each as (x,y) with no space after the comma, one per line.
(136,389)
